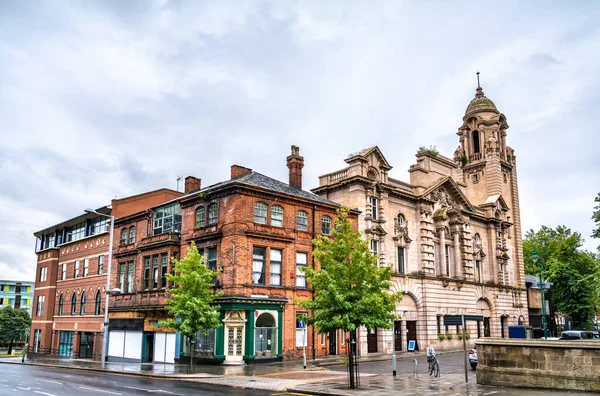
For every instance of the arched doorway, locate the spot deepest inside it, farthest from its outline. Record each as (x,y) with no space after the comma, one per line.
(405,330)
(483,306)
(265,337)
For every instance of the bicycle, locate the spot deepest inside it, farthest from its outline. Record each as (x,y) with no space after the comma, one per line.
(434,365)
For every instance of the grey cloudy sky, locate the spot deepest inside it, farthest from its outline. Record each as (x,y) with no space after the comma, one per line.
(113,98)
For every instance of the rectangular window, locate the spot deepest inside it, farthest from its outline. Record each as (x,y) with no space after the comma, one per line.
(323,339)
(401,266)
(146,273)
(343,337)
(374,207)
(100,265)
(212,213)
(477,271)
(1,301)
(258,266)
(100,225)
(122,270)
(40,305)
(260,213)
(275,267)
(37,340)
(205,343)
(276,216)
(167,219)
(301,261)
(78,231)
(374,247)
(302,221)
(130,277)
(86,266)
(439,324)
(164,261)
(76,269)
(155,272)
(447,252)
(43,274)
(300,332)
(63,274)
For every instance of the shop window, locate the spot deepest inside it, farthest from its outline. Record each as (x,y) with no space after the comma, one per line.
(205,343)
(265,336)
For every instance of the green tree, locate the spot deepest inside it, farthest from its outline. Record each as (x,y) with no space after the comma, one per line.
(574,274)
(14,324)
(350,289)
(190,301)
(596,218)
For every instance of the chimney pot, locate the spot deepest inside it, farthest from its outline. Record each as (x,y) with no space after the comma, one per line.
(192,183)
(295,163)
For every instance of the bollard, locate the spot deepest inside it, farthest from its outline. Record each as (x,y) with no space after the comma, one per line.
(415,372)
(394,364)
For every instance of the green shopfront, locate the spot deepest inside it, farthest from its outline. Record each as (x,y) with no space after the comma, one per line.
(252,332)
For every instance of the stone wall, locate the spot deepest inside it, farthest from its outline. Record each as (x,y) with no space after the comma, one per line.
(551,364)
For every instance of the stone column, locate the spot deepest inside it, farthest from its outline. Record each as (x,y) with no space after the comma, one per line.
(457,266)
(404,334)
(442,252)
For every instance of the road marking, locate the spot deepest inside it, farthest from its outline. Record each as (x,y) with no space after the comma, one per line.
(13,375)
(53,382)
(44,393)
(153,390)
(99,390)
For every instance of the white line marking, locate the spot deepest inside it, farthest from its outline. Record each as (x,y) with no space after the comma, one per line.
(99,390)
(171,393)
(13,375)
(53,382)
(153,390)
(44,393)
(136,388)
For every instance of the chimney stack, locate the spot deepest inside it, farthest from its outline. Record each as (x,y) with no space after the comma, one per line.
(192,183)
(237,170)
(295,163)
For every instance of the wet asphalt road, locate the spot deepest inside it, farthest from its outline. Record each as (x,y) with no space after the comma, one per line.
(23,380)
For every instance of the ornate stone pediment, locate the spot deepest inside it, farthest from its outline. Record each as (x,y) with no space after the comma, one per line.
(447,195)
(235,317)
(376,230)
(401,231)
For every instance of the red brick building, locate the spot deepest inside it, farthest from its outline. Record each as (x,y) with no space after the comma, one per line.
(259,232)
(68,307)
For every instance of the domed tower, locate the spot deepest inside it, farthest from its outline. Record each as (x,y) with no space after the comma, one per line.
(489,172)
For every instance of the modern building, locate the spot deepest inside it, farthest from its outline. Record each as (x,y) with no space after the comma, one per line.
(254,228)
(452,234)
(16,294)
(68,319)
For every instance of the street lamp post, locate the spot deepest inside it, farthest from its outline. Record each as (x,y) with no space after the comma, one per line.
(535,258)
(107,290)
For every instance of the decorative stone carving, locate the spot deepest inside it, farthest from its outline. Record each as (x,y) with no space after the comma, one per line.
(401,230)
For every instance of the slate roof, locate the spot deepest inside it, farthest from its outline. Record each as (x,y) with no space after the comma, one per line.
(255,179)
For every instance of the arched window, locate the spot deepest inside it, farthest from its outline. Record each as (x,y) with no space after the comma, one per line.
(124,235)
(73,304)
(265,336)
(82,305)
(276,216)
(132,235)
(212,214)
(200,217)
(98,302)
(326,225)
(401,220)
(477,241)
(60,305)
(302,221)
(260,212)
(476,145)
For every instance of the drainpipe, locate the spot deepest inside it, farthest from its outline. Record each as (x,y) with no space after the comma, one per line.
(314,350)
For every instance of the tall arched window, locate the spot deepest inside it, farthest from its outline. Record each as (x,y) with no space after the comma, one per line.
(276,216)
(212,214)
(82,305)
(200,217)
(476,145)
(73,304)
(260,212)
(326,225)
(98,302)
(132,234)
(401,220)
(60,305)
(124,235)
(302,221)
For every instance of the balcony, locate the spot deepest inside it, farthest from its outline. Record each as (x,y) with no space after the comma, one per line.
(400,185)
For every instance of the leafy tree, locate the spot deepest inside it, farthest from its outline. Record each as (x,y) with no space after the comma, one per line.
(350,289)
(14,324)
(190,301)
(596,218)
(574,274)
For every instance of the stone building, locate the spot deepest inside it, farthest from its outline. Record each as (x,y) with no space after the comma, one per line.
(452,234)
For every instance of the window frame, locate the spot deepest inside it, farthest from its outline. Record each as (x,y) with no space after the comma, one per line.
(100,264)
(74,304)
(401,252)
(302,220)
(374,202)
(261,281)
(261,210)
(147,281)
(277,216)
(200,220)
(164,268)
(132,234)
(86,267)
(274,275)
(300,276)
(82,304)
(40,305)
(76,269)
(98,303)
(213,213)
(167,219)
(301,341)
(60,305)
(124,236)
(325,225)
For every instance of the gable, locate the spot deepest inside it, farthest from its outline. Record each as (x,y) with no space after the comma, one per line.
(446,194)
(496,201)
(371,155)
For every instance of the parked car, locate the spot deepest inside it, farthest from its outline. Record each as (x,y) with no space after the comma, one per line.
(473,357)
(578,335)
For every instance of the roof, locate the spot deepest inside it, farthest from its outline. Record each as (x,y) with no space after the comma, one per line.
(480,103)
(255,179)
(74,220)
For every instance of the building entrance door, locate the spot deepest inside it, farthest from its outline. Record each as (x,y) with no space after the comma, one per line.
(371,340)
(397,335)
(86,345)
(411,333)
(235,337)
(333,342)
(148,349)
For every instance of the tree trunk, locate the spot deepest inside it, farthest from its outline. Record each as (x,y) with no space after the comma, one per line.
(10,346)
